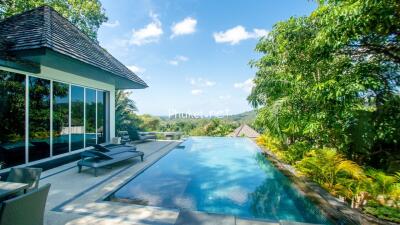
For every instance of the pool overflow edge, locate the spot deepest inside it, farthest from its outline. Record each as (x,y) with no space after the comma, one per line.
(307,188)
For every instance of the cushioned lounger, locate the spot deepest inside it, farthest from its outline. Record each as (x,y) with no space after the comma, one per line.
(96,159)
(110,149)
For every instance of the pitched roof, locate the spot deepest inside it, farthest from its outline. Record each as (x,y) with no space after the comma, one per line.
(43,27)
(246,131)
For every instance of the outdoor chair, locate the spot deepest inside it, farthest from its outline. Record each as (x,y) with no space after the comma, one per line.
(144,136)
(124,135)
(113,148)
(96,159)
(30,176)
(26,209)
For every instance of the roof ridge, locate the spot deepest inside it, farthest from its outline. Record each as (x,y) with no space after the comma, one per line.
(46,37)
(94,44)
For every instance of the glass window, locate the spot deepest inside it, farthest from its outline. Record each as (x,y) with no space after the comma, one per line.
(77,128)
(39,118)
(90,117)
(101,112)
(60,118)
(12,117)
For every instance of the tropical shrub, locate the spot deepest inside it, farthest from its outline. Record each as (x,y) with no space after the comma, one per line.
(333,171)
(383,212)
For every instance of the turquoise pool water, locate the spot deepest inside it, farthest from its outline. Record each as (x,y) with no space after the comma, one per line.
(220,175)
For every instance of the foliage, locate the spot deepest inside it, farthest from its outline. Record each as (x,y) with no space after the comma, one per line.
(331,79)
(338,175)
(332,171)
(87,15)
(149,123)
(383,212)
(124,111)
(213,127)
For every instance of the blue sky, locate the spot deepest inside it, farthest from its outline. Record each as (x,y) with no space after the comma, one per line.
(193,54)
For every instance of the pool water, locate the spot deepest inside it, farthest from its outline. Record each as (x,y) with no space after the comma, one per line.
(220,175)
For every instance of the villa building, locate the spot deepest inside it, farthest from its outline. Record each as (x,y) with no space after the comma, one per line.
(57,89)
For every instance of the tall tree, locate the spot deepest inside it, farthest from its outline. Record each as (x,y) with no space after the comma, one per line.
(331,79)
(125,109)
(87,15)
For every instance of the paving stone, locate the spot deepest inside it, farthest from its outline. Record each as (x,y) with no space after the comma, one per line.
(199,218)
(254,222)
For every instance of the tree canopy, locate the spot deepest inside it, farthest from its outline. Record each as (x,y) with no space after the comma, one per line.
(87,15)
(331,79)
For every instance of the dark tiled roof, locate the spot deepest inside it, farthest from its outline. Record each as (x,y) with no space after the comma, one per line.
(43,27)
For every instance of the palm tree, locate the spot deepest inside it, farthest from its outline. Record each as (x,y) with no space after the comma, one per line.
(124,110)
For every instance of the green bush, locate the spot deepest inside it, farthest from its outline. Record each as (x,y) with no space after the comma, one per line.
(383,212)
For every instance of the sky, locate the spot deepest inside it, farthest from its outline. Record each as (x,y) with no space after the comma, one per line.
(193,54)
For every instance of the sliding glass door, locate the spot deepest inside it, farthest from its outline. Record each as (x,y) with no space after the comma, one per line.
(12,117)
(77,117)
(101,113)
(60,118)
(90,117)
(42,118)
(39,119)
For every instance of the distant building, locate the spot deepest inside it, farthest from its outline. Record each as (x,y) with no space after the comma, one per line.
(245,131)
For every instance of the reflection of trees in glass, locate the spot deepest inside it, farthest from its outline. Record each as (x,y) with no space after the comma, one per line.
(90,111)
(77,117)
(12,117)
(60,118)
(39,108)
(12,110)
(39,118)
(101,95)
(90,117)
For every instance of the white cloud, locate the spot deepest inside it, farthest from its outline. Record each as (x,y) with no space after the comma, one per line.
(197,92)
(178,59)
(148,34)
(111,24)
(246,85)
(136,69)
(237,34)
(184,27)
(174,62)
(224,97)
(201,82)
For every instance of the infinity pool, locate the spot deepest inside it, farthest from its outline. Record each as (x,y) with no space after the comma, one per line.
(220,175)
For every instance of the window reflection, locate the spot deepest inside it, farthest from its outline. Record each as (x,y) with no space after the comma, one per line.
(12,117)
(90,117)
(77,128)
(39,118)
(60,118)
(101,112)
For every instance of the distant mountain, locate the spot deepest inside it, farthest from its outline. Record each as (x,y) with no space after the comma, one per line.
(246,117)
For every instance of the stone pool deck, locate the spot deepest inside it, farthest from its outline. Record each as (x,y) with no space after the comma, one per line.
(77,198)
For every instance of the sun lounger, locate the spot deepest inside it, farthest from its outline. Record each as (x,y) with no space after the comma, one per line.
(144,136)
(96,159)
(109,149)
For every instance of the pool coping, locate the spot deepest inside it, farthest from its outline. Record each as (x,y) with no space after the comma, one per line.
(336,210)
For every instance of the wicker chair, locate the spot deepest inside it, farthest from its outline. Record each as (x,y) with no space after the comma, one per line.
(30,176)
(26,209)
